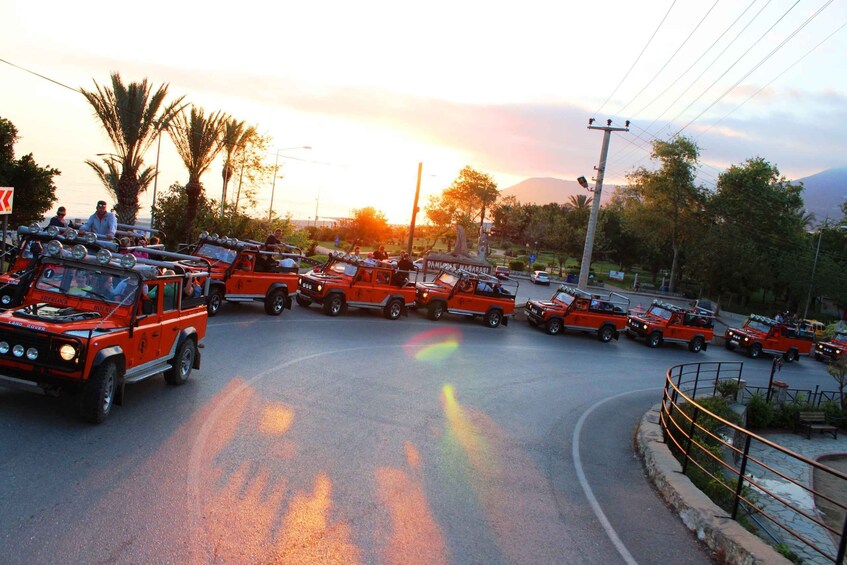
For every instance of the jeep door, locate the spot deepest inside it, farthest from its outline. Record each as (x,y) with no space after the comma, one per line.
(362,289)
(170,318)
(144,345)
(243,281)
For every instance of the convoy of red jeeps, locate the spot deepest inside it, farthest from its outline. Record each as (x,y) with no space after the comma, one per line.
(84,315)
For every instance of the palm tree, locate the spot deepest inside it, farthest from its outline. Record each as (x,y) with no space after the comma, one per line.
(109,174)
(198,140)
(236,136)
(132,116)
(578,202)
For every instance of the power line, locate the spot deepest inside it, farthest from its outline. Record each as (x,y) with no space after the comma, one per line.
(700,58)
(637,58)
(768,56)
(671,58)
(809,52)
(41,76)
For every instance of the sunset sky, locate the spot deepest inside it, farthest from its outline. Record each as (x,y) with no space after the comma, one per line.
(374,87)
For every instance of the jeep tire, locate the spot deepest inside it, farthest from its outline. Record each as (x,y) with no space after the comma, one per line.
(754,351)
(790,356)
(275,302)
(213,303)
(493,318)
(553,326)
(182,363)
(394,309)
(98,393)
(436,310)
(334,305)
(606,333)
(695,345)
(303,301)
(654,339)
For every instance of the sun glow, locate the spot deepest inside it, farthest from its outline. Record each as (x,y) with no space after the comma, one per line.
(435,345)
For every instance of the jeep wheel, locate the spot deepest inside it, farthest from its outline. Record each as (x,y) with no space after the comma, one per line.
(334,305)
(98,393)
(303,301)
(754,351)
(182,363)
(728,345)
(818,357)
(553,326)
(213,304)
(654,339)
(394,309)
(436,310)
(790,356)
(275,303)
(493,318)
(606,333)
(695,345)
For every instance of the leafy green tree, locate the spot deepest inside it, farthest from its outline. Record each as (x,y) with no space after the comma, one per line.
(132,115)
(198,140)
(510,219)
(236,137)
(670,205)
(578,202)
(35,192)
(464,202)
(367,226)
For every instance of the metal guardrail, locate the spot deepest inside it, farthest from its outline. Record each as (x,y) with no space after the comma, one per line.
(748,467)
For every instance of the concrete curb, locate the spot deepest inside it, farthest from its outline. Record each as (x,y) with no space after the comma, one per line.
(728,539)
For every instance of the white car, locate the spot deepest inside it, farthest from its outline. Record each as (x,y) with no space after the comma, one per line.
(540,277)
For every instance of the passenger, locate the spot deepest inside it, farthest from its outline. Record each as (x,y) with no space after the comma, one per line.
(81,284)
(405,264)
(288,265)
(380,254)
(142,242)
(102,222)
(273,242)
(191,288)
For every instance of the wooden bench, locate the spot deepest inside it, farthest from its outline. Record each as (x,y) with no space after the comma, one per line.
(808,422)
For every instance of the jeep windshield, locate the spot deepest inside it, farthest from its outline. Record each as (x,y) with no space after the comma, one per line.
(447,279)
(757,325)
(564,297)
(840,336)
(216,253)
(91,284)
(342,268)
(660,312)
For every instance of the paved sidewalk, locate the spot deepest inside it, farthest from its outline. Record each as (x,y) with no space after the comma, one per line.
(815,448)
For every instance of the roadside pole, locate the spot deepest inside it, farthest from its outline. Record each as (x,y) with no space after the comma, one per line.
(595,208)
(414,211)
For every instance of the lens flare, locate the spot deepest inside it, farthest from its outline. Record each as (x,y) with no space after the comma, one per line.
(434,345)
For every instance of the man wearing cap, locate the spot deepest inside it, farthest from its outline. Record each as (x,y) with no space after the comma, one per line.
(102,222)
(59,219)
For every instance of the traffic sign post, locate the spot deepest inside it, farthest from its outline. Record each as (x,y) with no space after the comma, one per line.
(7,194)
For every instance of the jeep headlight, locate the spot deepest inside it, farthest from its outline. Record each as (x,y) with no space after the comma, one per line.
(54,248)
(67,352)
(78,252)
(320,287)
(18,350)
(4,347)
(53,231)
(70,234)
(32,354)
(746,339)
(104,256)
(424,294)
(643,326)
(6,299)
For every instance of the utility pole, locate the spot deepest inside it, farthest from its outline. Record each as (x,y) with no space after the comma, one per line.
(595,207)
(414,211)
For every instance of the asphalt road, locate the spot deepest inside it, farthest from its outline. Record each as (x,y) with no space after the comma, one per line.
(356,439)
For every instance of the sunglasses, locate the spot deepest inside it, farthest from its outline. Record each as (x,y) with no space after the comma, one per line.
(60,214)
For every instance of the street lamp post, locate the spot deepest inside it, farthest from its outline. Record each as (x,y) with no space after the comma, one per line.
(276,168)
(815,266)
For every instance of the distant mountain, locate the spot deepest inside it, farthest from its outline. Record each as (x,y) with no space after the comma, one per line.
(824,193)
(546,190)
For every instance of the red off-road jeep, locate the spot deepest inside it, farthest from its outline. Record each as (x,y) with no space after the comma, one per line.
(346,281)
(31,240)
(242,271)
(832,349)
(456,291)
(761,334)
(666,322)
(574,309)
(91,324)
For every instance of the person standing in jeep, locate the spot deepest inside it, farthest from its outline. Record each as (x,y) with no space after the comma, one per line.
(102,222)
(273,242)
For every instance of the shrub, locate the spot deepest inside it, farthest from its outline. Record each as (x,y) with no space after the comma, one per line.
(759,412)
(786,415)
(727,388)
(516,265)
